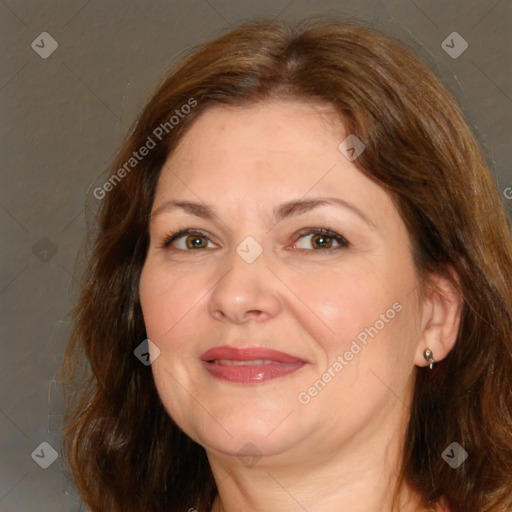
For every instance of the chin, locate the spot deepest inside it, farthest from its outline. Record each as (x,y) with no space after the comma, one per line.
(247,433)
(247,443)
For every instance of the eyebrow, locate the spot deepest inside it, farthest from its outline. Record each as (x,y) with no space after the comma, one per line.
(284,210)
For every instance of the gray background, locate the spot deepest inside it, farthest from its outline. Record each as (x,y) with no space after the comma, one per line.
(63,118)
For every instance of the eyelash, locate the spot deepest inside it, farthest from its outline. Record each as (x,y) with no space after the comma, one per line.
(342,241)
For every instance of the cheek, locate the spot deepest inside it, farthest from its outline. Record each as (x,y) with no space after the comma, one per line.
(166,298)
(342,305)
(363,314)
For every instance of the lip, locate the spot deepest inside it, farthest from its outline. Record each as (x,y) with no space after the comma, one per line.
(277,364)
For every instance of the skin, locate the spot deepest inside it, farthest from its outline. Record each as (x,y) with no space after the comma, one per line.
(341,450)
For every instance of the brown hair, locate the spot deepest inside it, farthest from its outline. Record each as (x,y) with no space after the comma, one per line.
(125,452)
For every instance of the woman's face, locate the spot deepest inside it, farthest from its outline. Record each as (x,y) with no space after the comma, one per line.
(256,187)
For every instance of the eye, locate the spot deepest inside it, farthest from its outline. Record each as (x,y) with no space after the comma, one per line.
(186,239)
(317,239)
(321,239)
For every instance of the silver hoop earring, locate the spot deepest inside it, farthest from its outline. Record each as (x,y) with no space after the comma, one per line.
(428,355)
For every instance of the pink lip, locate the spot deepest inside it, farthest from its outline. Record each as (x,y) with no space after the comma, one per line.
(282,364)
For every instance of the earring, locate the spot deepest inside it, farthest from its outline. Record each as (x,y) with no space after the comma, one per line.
(428,355)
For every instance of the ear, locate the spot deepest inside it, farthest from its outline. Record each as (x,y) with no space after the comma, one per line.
(441,312)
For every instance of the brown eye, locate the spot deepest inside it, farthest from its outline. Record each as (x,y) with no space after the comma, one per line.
(320,239)
(195,242)
(186,240)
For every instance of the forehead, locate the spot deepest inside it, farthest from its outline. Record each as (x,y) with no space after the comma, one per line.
(270,151)
(261,129)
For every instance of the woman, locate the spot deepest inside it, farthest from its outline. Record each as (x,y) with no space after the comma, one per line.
(299,294)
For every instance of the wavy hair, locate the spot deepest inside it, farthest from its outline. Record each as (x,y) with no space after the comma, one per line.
(124,451)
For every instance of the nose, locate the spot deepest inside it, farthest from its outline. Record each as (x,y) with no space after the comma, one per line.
(247,292)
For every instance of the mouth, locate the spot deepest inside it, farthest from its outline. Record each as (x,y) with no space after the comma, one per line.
(249,365)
